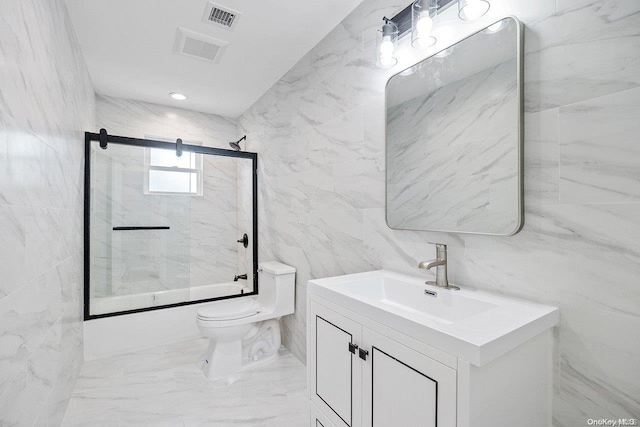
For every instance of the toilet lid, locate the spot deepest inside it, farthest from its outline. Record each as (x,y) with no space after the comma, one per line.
(236,308)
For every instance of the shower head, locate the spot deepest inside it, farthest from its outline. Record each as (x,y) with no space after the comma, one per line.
(236,144)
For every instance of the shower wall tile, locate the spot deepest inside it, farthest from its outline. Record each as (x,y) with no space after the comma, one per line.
(579,247)
(46,104)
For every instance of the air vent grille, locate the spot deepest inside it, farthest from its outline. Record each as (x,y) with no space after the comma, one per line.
(199,46)
(222,17)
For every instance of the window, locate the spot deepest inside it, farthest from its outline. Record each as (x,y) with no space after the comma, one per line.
(166,173)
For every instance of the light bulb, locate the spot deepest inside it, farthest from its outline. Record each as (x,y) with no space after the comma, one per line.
(425,24)
(473,9)
(386,47)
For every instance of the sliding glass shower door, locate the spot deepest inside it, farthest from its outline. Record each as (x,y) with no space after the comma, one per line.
(165,230)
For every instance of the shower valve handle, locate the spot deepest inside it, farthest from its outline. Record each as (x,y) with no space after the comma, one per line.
(244,240)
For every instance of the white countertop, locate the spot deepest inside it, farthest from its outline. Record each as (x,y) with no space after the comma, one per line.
(472,325)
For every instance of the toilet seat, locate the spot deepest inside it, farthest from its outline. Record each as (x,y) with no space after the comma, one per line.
(230,309)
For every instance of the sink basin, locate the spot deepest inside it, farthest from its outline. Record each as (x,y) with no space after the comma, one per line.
(445,306)
(472,325)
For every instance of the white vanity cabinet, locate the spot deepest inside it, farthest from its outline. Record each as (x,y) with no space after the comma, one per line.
(359,377)
(372,365)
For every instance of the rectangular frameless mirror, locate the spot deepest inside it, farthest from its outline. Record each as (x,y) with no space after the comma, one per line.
(454,137)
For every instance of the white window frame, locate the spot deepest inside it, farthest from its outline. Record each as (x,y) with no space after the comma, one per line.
(148,167)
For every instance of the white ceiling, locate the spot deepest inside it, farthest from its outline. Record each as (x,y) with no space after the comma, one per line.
(129,48)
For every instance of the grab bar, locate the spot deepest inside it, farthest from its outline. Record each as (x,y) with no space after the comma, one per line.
(140,228)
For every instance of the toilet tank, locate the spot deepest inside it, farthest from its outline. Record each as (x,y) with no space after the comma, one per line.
(276,287)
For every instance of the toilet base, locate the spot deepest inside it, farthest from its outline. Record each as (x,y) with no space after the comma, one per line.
(228,357)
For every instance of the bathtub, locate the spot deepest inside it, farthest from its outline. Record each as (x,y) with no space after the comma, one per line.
(114,304)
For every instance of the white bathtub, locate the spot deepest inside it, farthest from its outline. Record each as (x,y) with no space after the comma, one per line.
(173,296)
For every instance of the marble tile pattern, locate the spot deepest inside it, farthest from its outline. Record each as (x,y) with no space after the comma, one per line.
(201,248)
(320,135)
(163,386)
(46,104)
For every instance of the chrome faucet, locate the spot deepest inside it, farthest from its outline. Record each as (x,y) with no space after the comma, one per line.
(441,267)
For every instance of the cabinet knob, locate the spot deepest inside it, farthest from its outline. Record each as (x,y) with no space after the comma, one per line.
(353,347)
(363,354)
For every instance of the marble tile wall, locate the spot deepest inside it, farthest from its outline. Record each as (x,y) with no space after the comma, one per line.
(46,104)
(320,135)
(213,219)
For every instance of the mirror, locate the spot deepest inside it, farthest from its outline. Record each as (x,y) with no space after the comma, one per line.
(454,137)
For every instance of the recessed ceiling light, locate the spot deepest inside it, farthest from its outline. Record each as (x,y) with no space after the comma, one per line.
(178,96)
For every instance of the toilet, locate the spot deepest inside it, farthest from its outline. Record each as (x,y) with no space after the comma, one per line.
(245,332)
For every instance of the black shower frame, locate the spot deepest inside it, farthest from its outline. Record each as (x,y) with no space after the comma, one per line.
(180,147)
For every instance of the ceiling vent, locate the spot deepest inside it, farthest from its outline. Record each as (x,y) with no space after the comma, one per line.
(221,16)
(199,46)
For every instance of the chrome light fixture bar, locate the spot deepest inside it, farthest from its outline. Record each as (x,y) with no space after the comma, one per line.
(418,18)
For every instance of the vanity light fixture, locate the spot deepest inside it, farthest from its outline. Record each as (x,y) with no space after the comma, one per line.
(422,14)
(418,19)
(387,36)
(178,96)
(468,10)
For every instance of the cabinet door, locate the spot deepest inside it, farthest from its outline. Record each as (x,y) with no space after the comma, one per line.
(318,419)
(334,371)
(402,387)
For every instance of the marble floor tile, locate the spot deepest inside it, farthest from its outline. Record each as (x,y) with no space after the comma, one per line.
(163,386)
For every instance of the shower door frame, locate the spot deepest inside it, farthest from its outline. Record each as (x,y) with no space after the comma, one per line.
(106,139)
